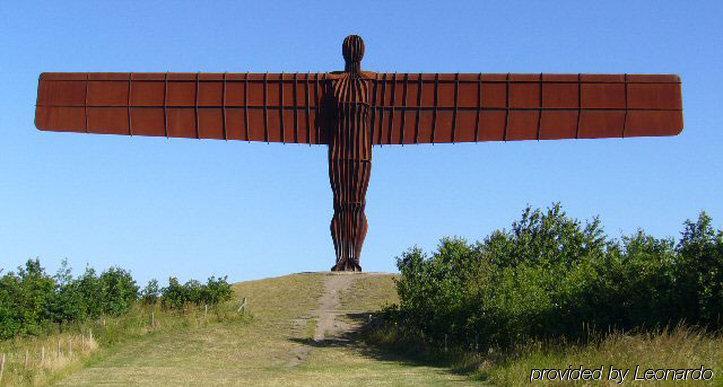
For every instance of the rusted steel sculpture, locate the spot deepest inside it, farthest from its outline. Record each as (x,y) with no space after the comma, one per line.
(353,110)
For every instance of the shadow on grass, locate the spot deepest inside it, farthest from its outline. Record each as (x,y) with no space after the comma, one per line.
(360,340)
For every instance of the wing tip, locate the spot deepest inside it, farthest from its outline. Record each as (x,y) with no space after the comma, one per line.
(41,126)
(679,128)
(49,75)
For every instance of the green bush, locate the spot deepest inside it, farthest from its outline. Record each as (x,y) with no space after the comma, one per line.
(151,293)
(32,302)
(25,300)
(551,276)
(213,292)
(216,290)
(118,291)
(174,296)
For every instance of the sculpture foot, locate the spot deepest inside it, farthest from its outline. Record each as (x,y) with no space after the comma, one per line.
(347,266)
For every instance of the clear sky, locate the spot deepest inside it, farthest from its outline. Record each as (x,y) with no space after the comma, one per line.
(194,208)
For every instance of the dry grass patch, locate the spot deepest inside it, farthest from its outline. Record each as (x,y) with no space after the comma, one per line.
(36,360)
(679,348)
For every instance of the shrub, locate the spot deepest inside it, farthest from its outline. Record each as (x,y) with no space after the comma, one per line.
(25,300)
(151,293)
(551,276)
(31,301)
(216,290)
(174,296)
(177,296)
(700,272)
(118,291)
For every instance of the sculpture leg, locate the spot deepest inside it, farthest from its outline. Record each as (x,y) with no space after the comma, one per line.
(360,235)
(349,182)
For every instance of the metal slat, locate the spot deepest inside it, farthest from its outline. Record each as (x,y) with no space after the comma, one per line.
(296,103)
(198,87)
(316,95)
(281,109)
(381,113)
(308,109)
(579,105)
(266,113)
(85,103)
(479,107)
(165,104)
(223,108)
(419,103)
(436,102)
(507,107)
(373,108)
(391,114)
(539,114)
(456,103)
(246,106)
(625,120)
(130,124)
(404,108)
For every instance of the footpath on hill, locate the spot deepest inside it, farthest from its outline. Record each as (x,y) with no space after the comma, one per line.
(301,333)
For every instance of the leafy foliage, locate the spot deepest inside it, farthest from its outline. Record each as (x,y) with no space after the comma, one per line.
(151,293)
(551,276)
(213,292)
(32,301)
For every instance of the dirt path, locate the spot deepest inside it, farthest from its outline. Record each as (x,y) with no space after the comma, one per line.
(328,326)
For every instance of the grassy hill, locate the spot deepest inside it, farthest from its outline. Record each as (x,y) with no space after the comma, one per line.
(301,329)
(298,335)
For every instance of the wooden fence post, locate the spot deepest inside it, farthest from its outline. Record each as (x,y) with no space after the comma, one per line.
(26,359)
(2,366)
(242,307)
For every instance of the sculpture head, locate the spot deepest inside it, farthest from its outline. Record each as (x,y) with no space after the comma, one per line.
(353,51)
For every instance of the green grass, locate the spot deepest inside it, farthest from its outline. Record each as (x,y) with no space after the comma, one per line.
(370,293)
(273,348)
(51,357)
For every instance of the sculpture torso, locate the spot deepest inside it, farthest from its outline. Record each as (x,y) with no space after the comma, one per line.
(350,137)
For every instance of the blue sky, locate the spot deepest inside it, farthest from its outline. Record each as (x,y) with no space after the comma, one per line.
(194,208)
